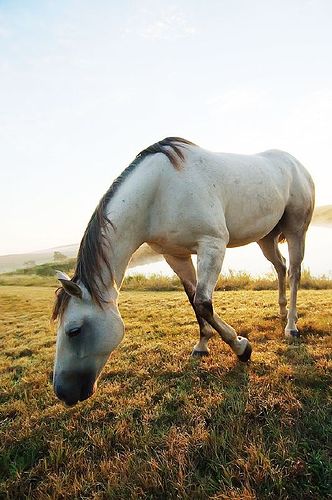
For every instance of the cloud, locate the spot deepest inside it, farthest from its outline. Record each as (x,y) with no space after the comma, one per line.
(161,24)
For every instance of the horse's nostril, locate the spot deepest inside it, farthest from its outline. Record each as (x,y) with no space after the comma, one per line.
(59,392)
(68,400)
(87,388)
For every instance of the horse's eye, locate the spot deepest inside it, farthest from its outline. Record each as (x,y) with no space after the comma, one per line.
(74,332)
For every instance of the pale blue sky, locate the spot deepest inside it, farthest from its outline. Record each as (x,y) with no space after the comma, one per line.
(86,85)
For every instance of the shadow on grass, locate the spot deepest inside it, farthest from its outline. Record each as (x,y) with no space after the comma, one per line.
(23,455)
(308,330)
(312,430)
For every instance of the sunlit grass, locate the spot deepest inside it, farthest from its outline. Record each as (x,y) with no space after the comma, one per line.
(163,425)
(44,275)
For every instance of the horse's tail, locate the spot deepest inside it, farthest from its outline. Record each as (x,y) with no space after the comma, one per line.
(282,238)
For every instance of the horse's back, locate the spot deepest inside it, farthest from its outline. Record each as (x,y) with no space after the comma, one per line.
(261,178)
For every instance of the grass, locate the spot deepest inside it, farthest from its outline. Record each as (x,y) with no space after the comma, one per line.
(163,425)
(44,275)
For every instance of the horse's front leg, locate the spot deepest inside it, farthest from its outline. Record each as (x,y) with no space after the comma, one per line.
(210,256)
(185,270)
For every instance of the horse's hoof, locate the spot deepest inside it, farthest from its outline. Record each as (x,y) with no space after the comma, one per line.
(292,335)
(246,355)
(199,354)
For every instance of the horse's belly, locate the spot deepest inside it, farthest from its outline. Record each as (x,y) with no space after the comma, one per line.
(240,241)
(246,229)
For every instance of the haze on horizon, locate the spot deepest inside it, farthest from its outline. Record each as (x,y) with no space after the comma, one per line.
(85,86)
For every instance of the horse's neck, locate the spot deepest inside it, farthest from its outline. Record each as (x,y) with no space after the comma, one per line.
(128,210)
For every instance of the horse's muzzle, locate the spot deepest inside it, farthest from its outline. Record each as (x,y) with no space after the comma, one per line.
(72,387)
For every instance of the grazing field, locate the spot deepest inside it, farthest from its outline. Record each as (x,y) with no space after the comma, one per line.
(163,425)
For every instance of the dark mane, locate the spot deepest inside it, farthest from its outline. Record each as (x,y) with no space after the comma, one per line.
(92,255)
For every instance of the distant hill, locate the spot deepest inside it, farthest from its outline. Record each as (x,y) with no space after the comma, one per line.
(323,216)
(18,261)
(8,263)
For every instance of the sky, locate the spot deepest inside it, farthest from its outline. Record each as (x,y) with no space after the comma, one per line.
(84,86)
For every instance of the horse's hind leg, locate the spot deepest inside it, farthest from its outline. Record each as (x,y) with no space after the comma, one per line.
(296,243)
(210,256)
(269,247)
(185,270)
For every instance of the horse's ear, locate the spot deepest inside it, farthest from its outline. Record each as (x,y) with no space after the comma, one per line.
(69,286)
(62,276)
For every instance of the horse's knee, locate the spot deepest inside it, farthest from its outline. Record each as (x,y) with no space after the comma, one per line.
(282,302)
(203,306)
(294,274)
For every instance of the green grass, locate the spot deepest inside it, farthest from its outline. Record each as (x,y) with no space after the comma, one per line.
(162,425)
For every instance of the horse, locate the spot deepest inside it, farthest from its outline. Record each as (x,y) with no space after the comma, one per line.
(181,200)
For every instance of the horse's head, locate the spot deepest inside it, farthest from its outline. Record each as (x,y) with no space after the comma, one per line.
(86,336)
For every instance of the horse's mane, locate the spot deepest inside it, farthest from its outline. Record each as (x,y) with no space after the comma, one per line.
(91,253)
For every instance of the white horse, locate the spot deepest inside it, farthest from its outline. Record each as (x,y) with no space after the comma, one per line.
(181,200)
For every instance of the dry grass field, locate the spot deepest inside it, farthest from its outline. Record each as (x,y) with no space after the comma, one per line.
(163,425)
